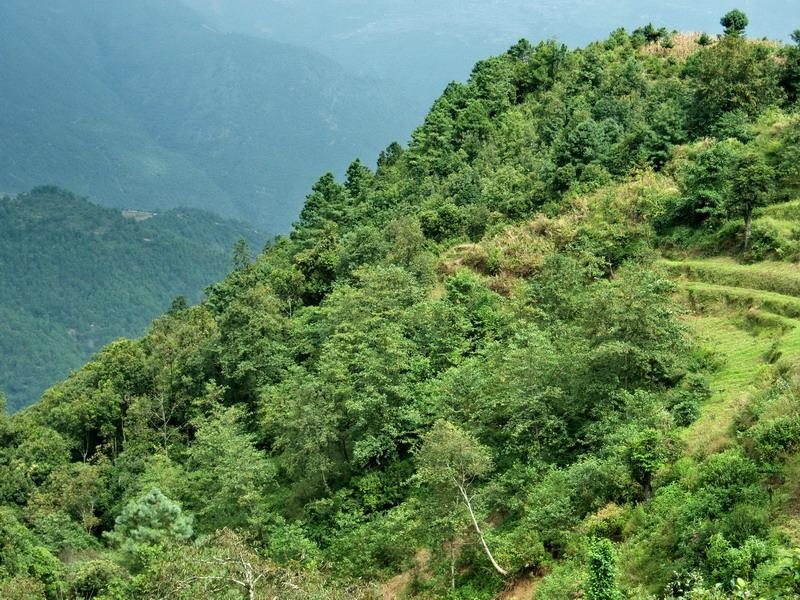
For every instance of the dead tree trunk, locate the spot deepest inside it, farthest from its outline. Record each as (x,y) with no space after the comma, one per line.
(468,502)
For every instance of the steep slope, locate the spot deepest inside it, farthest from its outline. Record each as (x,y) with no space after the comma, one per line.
(141,104)
(77,276)
(469,371)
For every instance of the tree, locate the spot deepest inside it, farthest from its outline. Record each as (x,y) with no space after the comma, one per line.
(358,407)
(735,22)
(179,304)
(732,75)
(650,34)
(704,40)
(358,180)
(328,201)
(26,563)
(229,475)
(452,459)
(601,584)
(242,257)
(646,455)
(76,489)
(220,566)
(389,157)
(151,520)
(704,183)
(791,72)
(751,186)
(251,349)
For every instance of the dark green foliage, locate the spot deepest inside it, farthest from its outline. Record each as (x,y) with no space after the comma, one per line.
(751,186)
(97,578)
(647,453)
(791,76)
(85,275)
(735,22)
(22,557)
(685,401)
(732,75)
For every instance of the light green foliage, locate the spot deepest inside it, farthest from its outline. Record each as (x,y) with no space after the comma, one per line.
(601,584)
(646,455)
(788,577)
(450,458)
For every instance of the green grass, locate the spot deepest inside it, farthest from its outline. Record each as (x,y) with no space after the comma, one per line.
(786,211)
(748,315)
(743,354)
(785,217)
(778,277)
(785,227)
(707,297)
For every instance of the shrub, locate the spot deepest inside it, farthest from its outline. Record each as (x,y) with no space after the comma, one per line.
(684,402)
(601,584)
(727,563)
(774,438)
(94,578)
(682,583)
(686,412)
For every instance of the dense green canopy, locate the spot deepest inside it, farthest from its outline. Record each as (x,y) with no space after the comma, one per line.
(467,368)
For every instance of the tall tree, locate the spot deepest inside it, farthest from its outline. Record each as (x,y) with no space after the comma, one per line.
(452,459)
(151,520)
(751,186)
(732,75)
(735,22)
(242,257)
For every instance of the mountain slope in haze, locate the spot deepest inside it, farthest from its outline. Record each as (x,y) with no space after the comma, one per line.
(420,46)
(75,276)
(141,103)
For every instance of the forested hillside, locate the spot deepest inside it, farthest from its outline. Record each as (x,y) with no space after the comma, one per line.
(550,350)
(76,276)
(141,103)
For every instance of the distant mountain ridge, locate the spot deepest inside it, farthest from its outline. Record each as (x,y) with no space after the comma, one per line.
(142,104)
(76,276)
(420,46)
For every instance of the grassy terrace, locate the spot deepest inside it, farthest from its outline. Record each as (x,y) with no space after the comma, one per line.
(779,277)
(748,315)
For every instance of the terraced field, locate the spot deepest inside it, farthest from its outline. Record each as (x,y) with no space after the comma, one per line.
(749,317)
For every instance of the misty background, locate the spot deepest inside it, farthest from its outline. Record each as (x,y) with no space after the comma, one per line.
(238,106)
(420,45)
